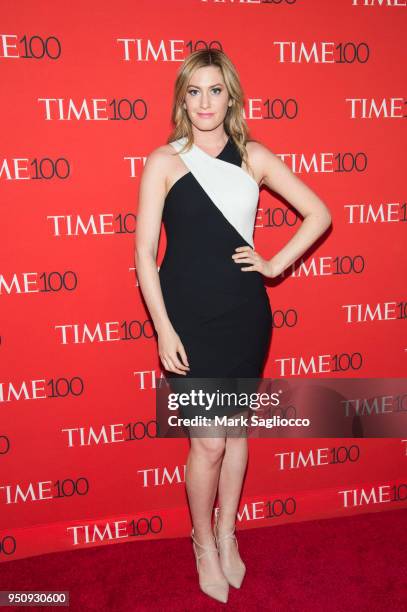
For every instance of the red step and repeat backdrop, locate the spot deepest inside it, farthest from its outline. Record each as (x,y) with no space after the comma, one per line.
(86,95)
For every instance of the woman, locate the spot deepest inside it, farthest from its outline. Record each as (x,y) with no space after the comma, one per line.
(211,313)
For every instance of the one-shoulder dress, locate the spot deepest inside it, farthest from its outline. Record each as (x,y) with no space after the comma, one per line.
(222,315)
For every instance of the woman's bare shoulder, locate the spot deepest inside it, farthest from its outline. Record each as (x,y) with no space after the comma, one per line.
(256,148)
(163,152)
(261,158)
(159,162)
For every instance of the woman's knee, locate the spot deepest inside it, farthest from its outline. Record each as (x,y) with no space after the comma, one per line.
(212,449)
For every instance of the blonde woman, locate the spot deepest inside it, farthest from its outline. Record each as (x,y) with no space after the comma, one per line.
(208,302)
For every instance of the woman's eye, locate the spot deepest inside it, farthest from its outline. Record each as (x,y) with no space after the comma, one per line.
(193,91)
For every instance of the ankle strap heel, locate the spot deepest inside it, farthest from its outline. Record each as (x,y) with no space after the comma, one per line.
(206,549)
(233,576)
(230,535)
(216,590)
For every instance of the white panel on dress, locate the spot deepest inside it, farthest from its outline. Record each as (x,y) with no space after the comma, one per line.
(231,189)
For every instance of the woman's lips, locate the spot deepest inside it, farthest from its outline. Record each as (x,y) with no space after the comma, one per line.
(205,114)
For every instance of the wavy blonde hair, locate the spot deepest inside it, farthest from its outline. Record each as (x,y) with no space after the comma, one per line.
(234,122)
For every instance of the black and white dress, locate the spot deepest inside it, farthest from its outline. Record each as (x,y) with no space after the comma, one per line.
(222,315)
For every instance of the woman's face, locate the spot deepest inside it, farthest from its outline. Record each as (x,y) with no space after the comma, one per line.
(206,99)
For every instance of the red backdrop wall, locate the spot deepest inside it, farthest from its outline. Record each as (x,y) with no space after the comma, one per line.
(87,93)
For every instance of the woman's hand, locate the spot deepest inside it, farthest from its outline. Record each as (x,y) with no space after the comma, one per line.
(169,343)
(246,254)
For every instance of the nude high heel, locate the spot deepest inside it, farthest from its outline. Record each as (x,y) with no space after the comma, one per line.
(217,590)
(235,578)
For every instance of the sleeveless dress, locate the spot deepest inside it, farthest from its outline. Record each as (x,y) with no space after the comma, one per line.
(221,314)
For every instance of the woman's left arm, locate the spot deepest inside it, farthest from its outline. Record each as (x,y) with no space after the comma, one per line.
(317,218)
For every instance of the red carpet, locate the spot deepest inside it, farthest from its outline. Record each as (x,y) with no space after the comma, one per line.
(332,565)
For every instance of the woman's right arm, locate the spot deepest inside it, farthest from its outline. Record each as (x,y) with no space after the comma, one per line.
(149,217)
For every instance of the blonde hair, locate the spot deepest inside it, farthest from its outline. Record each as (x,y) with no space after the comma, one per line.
(234,122)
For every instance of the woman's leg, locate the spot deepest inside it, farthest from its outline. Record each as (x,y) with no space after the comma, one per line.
(236,448)
(230,486)
(201,480)
(230,481)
